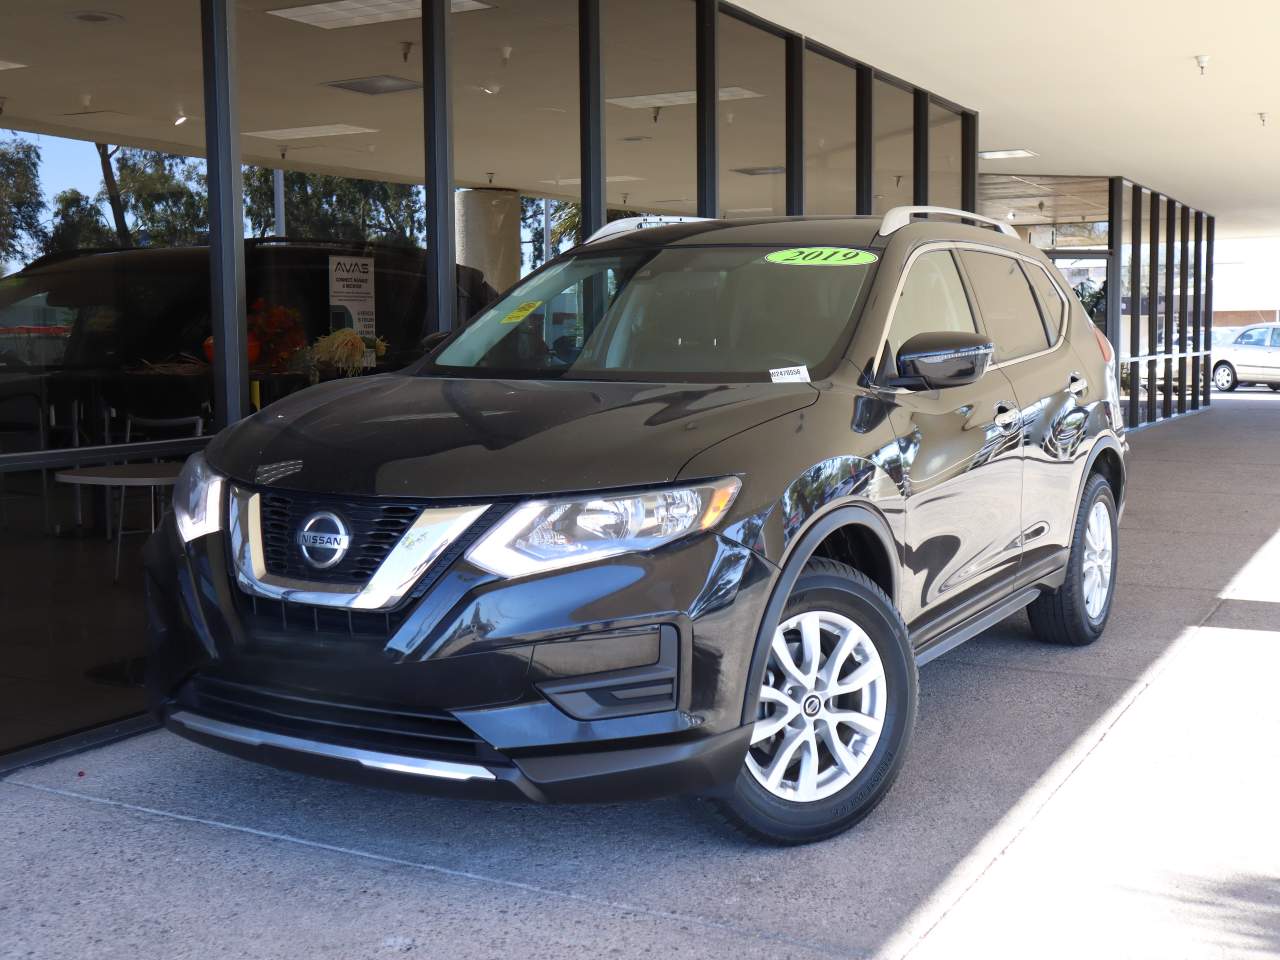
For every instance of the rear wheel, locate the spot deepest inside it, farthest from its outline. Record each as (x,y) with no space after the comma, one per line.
(1274,386)
(835,713)
(1224,377)
(1076,613)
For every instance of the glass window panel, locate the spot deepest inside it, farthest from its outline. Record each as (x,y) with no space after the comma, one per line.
(932,299)
(104,313)
(752,121)
(892,123)
(945,157)
(514,75)
(651,148)
(830,135)
(1008,309)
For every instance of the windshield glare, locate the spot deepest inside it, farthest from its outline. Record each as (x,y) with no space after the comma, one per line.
(682,313)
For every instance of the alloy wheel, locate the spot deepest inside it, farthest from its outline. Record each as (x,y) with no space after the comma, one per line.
(1097,560)
(822,707)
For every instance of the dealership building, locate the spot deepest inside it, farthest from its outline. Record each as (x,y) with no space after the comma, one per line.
(197,193)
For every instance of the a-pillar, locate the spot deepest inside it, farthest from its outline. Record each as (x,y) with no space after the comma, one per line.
(488,233)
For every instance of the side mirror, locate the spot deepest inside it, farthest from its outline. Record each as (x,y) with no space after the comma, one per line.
(931,361)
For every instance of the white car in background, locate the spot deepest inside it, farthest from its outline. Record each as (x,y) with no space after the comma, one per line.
(1252,355)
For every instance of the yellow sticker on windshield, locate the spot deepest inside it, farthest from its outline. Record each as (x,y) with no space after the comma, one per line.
(822,257)
(522,311)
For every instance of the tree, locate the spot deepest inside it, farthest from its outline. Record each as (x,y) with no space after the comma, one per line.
(166,196)
(112,190)
(326,207)
(77,224)
(21,202)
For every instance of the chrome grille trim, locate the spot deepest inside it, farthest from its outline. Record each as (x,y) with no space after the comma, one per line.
(396,763)
(422,544)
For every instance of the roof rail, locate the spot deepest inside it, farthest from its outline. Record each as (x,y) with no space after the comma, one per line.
(627,224)
(899,217)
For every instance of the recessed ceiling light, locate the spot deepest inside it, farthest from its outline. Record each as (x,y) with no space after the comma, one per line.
(679,98)
(180,120)
(357,13)
(306,133)
(1017,153)
(95,16)
(373,86)
(7,65)
(761,171)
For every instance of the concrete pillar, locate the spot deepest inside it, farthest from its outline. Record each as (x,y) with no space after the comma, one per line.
(488,233)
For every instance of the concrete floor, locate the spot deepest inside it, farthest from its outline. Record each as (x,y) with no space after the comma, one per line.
(1117,801)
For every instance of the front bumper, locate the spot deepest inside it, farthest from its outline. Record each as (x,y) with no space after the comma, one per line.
(619,680)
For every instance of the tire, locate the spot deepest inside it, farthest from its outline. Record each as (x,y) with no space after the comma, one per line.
(1065,616)
(855,616)
(1274,386)
(1224,377)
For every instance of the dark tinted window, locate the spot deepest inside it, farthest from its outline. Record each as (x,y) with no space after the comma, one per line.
(1052,306)
(932,299)
(1008,309)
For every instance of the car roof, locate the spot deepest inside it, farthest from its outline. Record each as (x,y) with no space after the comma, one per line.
(855,231)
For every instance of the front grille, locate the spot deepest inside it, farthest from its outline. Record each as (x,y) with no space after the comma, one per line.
(419,733)
(282,621)
(376,526)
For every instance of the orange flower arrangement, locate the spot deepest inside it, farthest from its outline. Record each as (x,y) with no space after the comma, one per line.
(279,331)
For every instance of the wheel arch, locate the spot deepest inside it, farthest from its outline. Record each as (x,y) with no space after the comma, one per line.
(853,526)
(1107,458)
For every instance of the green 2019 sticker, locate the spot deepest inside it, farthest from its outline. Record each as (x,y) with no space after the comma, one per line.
(822,257)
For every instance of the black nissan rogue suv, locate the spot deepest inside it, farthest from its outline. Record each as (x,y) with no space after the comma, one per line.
(680,513)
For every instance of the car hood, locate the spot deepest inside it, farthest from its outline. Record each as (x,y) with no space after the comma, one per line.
(400,435)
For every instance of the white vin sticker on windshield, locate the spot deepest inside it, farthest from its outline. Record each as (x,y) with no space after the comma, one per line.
(790,375)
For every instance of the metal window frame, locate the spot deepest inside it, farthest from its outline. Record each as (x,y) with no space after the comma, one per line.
(1208,305)
(1170,241)
(920,101)
(1197,304)
(1184,251)
(437,131)
(1153,308)
(591,119)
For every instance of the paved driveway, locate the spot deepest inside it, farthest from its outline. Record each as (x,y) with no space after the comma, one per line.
(1115,801)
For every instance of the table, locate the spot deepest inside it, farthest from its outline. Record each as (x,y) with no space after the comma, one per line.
(153,476)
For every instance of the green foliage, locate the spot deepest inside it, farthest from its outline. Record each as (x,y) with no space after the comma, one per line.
(77,224)
(21,202)
(324,207)
(165,196)
(566,224)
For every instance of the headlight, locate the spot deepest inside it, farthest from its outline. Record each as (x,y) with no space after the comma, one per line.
(197,499)
(550,534)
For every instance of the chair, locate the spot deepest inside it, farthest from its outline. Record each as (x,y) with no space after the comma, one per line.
(24,417)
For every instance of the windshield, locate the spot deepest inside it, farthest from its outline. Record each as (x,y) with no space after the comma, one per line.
(670,313)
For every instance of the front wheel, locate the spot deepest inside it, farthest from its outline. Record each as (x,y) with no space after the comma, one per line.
(835,713)
(1224,377)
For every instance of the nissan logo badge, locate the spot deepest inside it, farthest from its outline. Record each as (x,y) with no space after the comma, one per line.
(324,540)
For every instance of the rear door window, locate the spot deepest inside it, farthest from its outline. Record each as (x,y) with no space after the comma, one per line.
(1006,303)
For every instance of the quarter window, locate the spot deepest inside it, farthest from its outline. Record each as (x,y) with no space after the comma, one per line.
(1052,306)
(1275,336)
(932,299)
(1256,337)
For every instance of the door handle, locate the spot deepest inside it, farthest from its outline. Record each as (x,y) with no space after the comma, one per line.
(1008,417)
(1077,385)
